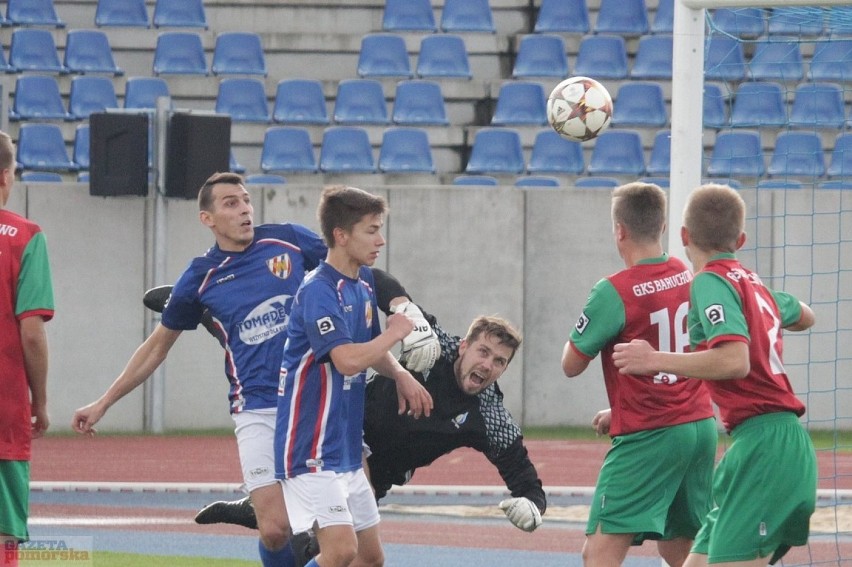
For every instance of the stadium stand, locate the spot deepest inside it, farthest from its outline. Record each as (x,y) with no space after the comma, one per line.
(32,13)
(663,17)
(299,101)
(467,16)
(288,149)
(346,149)
(34,50)
(537,181)
(653,58)
(602,57)
(496,150)
(89,51)
(798,21)
(520,103)
(475,180)
(737,154)
(797,154)
(408,15)
(617,152)
(383,55)
(551,153)
(443,55)
(776,60)
(122,13)
(91,94)
(143,92)
(841,157)
(831,61)
(41,148)
(41,177)
(360,101)
(639,104)
(179,53)
(265,179)
(659,162)
(80,154)
(419,102)
(818,105)
(238,53)
(623,17)
(541,55)
(569,16)
(724,59)
(405,150)
(244,99)
(180,14)
(597,182)
(715,106)
(37,98)
(742,22)
(760,103)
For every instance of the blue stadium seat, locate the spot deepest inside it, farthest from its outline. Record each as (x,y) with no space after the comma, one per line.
(663,17)
(346,149)
(623,17)
(715,107)
(617,152)
(90,94)
(659,162)
(300,101)
(639,104)
(487,180)
(739,22)
(179,53)
(467,16)
(81,154)
(838,21)
(122,13)
(737,154)
(88,51)
(596,182)
(383,55)
(520,103)
(265,179)
(831,61)
(234,165)
(724,59)
(408,15)
(551,153)
(32,13)
(405,150)
(496,150)
(798,21)
(244,99)
(360,101)
(41,177)
(797,154)
(288,149)
(541,56)
(776,60)
(760,103)
(537,181)
(569,16)
(4,65)
(238,53)
(818,105)
(37,98)
(653,58)
(602,57)
(836,184)
(419,102)
(180,14)
(34,50)
(143,92)
(443,55)
(41,148)
(841,157)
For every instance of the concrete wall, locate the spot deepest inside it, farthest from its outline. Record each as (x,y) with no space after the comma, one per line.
(530,256)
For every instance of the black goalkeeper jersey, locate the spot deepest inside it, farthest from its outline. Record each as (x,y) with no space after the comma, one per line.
(400,444)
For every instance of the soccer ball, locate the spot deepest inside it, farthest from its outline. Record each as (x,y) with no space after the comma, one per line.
(579,108)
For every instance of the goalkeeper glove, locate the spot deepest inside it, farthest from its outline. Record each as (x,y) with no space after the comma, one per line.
(522,512)
(421,348)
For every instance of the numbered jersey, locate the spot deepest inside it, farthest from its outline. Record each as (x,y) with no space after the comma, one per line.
(649,301)
(730,303)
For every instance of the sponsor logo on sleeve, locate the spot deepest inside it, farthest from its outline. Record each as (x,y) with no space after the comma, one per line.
(715,314)
(582,323)
(325,325)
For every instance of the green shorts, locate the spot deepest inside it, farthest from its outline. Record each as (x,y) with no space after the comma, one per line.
(656,483)
(764,492)
(14,498)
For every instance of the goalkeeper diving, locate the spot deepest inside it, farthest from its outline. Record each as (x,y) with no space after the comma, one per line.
(461,376)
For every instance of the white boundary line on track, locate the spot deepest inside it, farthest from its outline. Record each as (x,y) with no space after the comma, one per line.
(411,489)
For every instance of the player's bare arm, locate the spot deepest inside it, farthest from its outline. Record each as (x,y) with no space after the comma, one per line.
(572,363)
(352,358)
(805,322)
(141,365)
(727,361)
(34,343)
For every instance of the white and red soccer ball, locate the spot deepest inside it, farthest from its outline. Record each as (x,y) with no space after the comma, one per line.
(579,108)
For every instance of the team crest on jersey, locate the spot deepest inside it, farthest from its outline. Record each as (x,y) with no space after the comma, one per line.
(280,266)
(368,313)
(715,314)
(582,323)
(459,420)
(325,325)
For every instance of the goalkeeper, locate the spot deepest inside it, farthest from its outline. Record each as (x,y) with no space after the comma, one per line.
(468,412)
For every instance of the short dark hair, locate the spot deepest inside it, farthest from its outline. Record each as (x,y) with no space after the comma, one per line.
(498,328)
(343,207)
(205,198)
(641,209)
(714,215)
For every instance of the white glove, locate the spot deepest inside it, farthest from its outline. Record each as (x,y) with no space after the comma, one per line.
(522,512)
(421,348)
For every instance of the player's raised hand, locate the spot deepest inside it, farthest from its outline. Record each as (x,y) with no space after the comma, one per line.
(420,347)
(412,396)
(86,417)
(522,512)
(634,358)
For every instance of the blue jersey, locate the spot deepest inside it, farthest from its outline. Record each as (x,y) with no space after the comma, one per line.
(249,295)
(321,411)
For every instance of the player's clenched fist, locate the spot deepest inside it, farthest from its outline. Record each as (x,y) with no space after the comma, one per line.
(522,512)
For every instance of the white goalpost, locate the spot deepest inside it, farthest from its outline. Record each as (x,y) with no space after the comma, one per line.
(799,236)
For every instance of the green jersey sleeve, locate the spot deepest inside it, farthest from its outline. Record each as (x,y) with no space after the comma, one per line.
(601,321)
(788,306)
(35,290)
(715,309)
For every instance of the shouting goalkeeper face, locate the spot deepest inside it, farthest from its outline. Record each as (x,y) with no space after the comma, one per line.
(485,353)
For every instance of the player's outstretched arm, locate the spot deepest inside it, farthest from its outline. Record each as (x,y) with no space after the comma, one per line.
(726,361)
(142,364)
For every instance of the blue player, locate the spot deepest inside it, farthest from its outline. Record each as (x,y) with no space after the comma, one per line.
(333,337)
(243,287)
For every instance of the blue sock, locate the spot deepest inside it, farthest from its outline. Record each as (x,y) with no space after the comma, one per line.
(281,558)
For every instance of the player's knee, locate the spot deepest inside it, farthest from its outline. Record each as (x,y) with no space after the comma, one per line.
(274,536)
(341,554)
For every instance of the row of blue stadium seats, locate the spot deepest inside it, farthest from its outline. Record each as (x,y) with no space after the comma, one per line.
(288,149)
(603,182)
(89,51)
(167,13)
